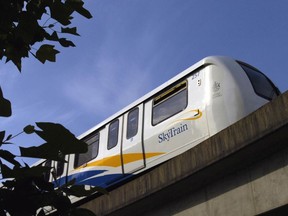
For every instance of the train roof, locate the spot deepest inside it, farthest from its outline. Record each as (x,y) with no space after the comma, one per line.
(204,62)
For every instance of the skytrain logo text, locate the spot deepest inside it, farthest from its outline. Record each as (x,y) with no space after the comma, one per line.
(172,132)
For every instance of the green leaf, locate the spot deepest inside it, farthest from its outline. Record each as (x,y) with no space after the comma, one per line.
(61,138)
(37,8)
(2,136)
(43,185)
(70,31)
(29,129)
(59,142)
(45,151)
(15,50)
(17,62)
(46,52)
(23,172)
(60,12)
(53,36)
(77,5)
(66,43)
(8,156)
(9,183)
(5,106)
(8,137)
(61,203)
(28,29)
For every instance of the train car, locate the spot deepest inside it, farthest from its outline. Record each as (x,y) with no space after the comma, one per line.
(178,115)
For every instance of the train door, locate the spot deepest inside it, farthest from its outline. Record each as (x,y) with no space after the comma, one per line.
(112,157)
(132,149)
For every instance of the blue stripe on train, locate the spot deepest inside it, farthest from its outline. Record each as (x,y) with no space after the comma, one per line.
(104,181)
(91,178)
(79,177)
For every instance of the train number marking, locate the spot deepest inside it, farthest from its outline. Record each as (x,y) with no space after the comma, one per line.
(195,75)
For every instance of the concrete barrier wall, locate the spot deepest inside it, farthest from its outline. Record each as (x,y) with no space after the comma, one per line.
(257,189)
(239,171)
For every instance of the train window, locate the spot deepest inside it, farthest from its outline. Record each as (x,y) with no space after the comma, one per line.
(261,84)
(132,123)
(170,103)
(113,134)
(93,149)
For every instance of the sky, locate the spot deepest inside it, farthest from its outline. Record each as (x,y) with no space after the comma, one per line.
(130,47)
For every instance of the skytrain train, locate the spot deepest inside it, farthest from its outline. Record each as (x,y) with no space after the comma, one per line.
(173,118)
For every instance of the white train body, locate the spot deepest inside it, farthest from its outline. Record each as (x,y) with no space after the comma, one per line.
(178,115)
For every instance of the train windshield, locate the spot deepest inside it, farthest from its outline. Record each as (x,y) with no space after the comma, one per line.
(261,84)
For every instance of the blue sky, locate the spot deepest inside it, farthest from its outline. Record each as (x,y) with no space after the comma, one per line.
(130,47)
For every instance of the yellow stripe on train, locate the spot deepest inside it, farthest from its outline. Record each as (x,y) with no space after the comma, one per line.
(115,161)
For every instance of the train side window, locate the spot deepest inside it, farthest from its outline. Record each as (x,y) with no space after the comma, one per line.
(132,123)
(113,134)
(169,103)
(93,149)
(261,84)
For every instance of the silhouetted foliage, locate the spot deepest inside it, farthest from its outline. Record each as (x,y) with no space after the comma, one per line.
(26,191)
(5,106)
(34,26)
(25,24)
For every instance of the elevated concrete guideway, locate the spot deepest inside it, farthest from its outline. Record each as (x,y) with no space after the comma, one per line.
(243,170)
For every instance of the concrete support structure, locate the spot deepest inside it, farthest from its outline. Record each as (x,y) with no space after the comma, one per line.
(243,170)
